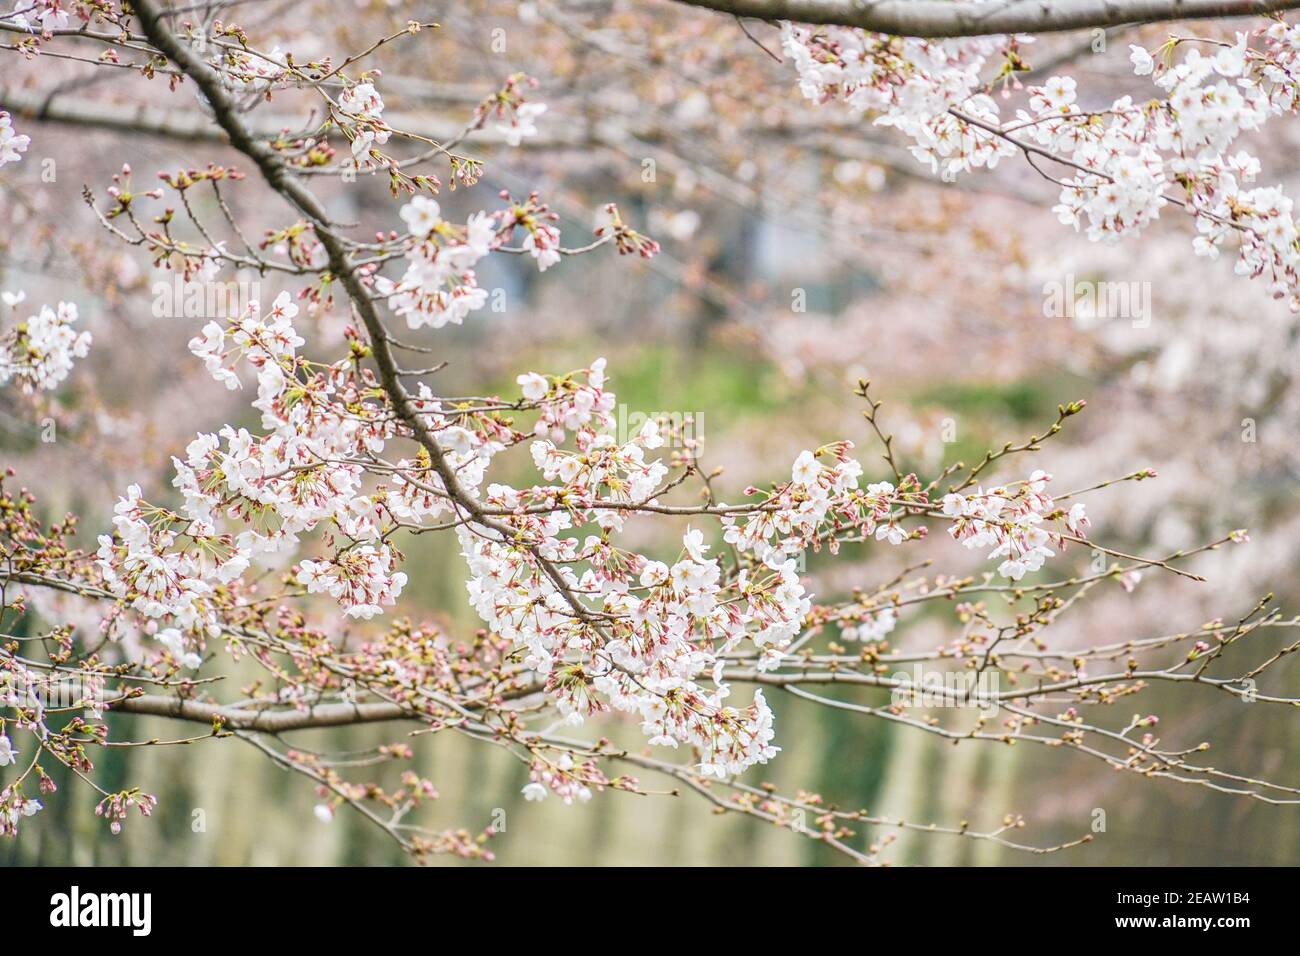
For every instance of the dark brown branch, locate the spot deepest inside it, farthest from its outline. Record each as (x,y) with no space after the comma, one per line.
(958,18)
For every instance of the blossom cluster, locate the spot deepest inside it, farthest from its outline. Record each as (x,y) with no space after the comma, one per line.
(867,626)
(535,219)
(1011,521)
(912,84)
(605,628)
(568,779)
(115,806)
(439,286)
(38,352)
(612,629)
(13,807)
(601,626)
(1124,161)
(516,116)
(249,496)
(360,114)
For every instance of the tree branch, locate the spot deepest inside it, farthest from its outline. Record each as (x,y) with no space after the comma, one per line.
(193,126)
(940,18)
(271,722)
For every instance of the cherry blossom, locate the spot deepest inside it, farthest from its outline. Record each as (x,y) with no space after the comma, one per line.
(523,124)
(360,113)
(362,580)
(12,144)
(421,214)
(439,286)
(41,15)
(38,352)
(1124,163)
(609,575)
